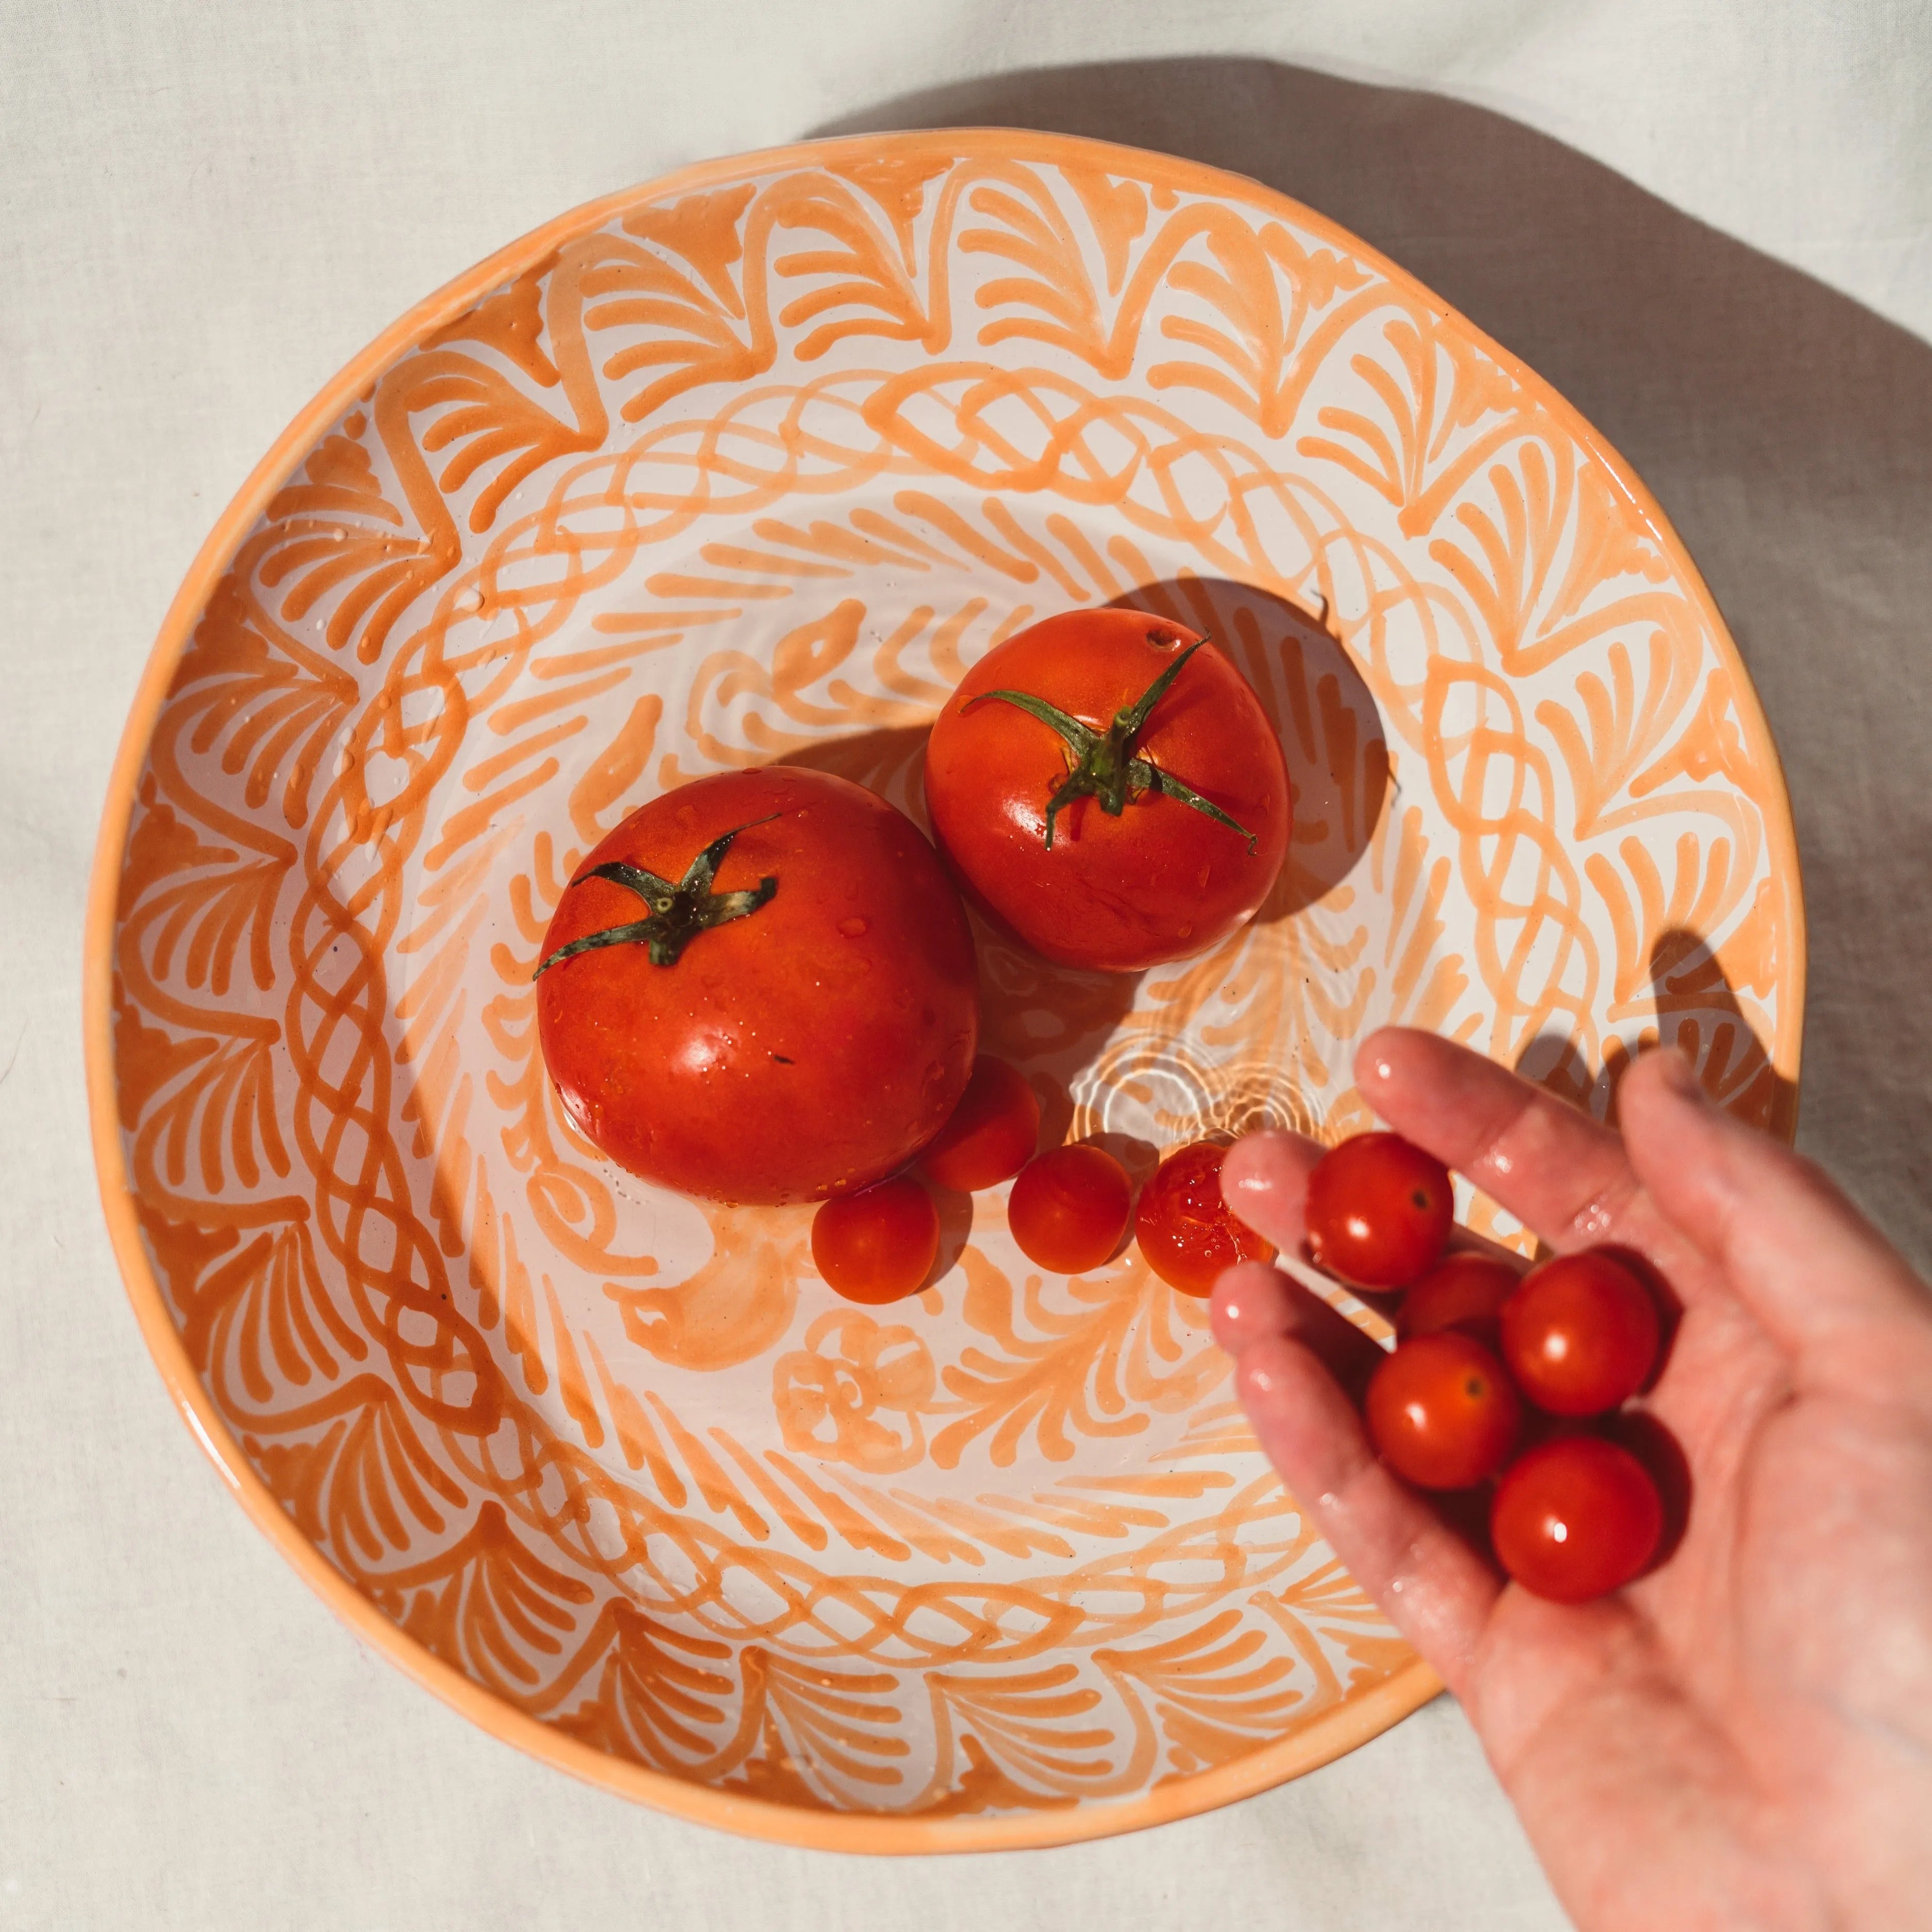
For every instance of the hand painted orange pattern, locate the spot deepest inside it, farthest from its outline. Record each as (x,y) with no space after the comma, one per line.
(752,469)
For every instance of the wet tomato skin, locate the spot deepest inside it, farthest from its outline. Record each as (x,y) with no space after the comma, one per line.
(1378,1210)
(879,1244)
(1160,880)
(1462,1291)
(1069,1209)
(990,1135)
(1441,1412)
(1580,1334)
(1575,1518)
(1187,1233)
(805,1050)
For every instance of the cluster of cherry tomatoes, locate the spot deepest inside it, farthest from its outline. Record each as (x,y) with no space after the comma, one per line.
(1069,1210)
(1498,1377)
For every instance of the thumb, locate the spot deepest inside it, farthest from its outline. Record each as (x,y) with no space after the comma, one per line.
(1831,1291)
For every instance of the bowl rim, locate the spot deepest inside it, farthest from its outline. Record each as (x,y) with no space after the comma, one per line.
(1342,1729)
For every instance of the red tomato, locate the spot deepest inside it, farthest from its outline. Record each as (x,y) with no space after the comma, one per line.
(1462,1291)
(1378,1210)
(1441,1412)
(1107,831)
(992,1134)
(794,1019)
(1580,1334)
(1187,1233)
(879,1244)
(1069,1208)
(1575,1518)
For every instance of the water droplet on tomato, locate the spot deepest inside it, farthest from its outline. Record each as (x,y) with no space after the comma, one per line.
(853,927)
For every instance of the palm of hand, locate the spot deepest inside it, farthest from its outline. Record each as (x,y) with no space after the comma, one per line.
(1744,1737)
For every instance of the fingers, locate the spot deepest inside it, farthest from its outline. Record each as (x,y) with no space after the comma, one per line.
(1563,1175)
(1433,1586)
(1298,1360)
(1253,1301)
(1827,1286)
(1264,1180)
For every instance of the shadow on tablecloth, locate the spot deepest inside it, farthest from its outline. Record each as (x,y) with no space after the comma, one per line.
(1786,430)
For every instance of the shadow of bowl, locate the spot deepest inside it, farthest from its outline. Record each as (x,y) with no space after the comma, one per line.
(1787,431)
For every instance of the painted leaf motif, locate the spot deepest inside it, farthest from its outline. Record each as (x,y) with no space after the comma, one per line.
(755,469)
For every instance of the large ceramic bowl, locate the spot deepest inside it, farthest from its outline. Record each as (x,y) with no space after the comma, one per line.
(746,465)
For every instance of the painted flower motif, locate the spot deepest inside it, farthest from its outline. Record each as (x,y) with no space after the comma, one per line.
(855,1392)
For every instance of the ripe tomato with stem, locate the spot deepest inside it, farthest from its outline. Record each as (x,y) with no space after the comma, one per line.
(760,987)
(1109,786)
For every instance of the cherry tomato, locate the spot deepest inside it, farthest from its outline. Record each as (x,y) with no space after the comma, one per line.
(879,1244)
(1462,1291)
(992,1132)
(760,987)
(1187,1233)
(1579,1334)
(1112,788)
(1378,1210)
(1069,1208)
(1441,1412)
(1575,1518)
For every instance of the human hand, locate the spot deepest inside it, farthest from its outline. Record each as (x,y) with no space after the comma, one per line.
(1743,1737)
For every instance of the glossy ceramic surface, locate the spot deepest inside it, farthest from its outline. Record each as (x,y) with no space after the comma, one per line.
(748,464)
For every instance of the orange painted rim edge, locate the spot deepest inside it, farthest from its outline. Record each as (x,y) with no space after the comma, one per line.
(1343,1729)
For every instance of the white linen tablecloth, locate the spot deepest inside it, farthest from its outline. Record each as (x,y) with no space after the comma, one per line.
(1710,227)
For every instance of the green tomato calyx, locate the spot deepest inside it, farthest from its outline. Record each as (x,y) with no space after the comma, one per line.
(1106,766)
(679,912)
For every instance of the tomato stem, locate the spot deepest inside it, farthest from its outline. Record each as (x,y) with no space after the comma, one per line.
(679,912)
(1106,766)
